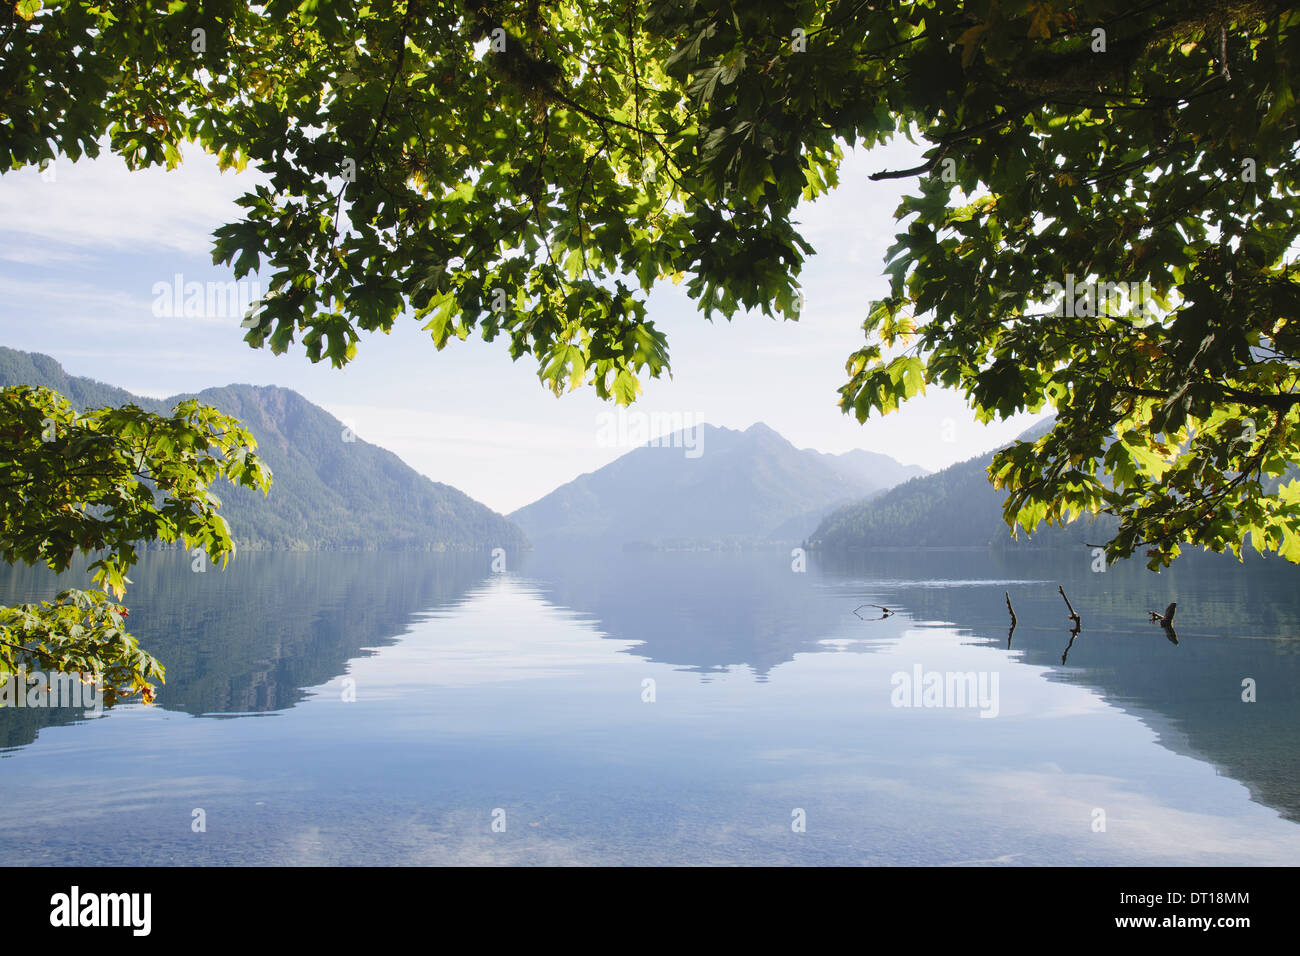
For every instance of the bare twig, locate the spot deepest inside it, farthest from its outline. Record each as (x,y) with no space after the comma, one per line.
(1074,616)
(1012,611)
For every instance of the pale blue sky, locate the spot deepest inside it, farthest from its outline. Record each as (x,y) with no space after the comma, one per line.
(81,251)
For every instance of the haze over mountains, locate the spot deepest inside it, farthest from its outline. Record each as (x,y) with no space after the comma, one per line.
(954,507)
(703,487)
(331,490)
(715,486)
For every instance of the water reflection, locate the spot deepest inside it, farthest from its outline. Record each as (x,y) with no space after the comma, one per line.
(707,612)
(252,638)
(256,638)
(715,612)
(1237,622)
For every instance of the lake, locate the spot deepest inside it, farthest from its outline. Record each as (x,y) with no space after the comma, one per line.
(661,708)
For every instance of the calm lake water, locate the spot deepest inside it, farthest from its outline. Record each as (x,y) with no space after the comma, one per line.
(676,708)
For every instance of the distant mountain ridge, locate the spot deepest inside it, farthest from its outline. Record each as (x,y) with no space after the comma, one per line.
(954,507)
(872,468)
(329,493)
(734,488)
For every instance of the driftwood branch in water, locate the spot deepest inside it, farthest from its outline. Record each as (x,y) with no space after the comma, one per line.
(885,612)
(1074,616)
(1012,612)
(1078,624)
(1165,619)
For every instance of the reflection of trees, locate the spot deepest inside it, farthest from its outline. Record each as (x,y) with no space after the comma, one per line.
(703,611)
(1235,621)
(252,637)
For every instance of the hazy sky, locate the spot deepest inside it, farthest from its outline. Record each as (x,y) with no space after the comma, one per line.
(82,250)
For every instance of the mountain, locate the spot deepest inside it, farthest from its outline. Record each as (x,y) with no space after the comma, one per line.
(955,507)
(722,487)
(871,468)
(331,489)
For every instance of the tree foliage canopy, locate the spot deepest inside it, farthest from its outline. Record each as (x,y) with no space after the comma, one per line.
(1075,150)
(99,482)
(530,171)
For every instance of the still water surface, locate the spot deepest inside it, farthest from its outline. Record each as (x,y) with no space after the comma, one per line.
(675,708)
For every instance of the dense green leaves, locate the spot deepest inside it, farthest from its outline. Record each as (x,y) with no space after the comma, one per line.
(101,482)
(528,172)
(81,633)
(1105,224)
(511,169)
